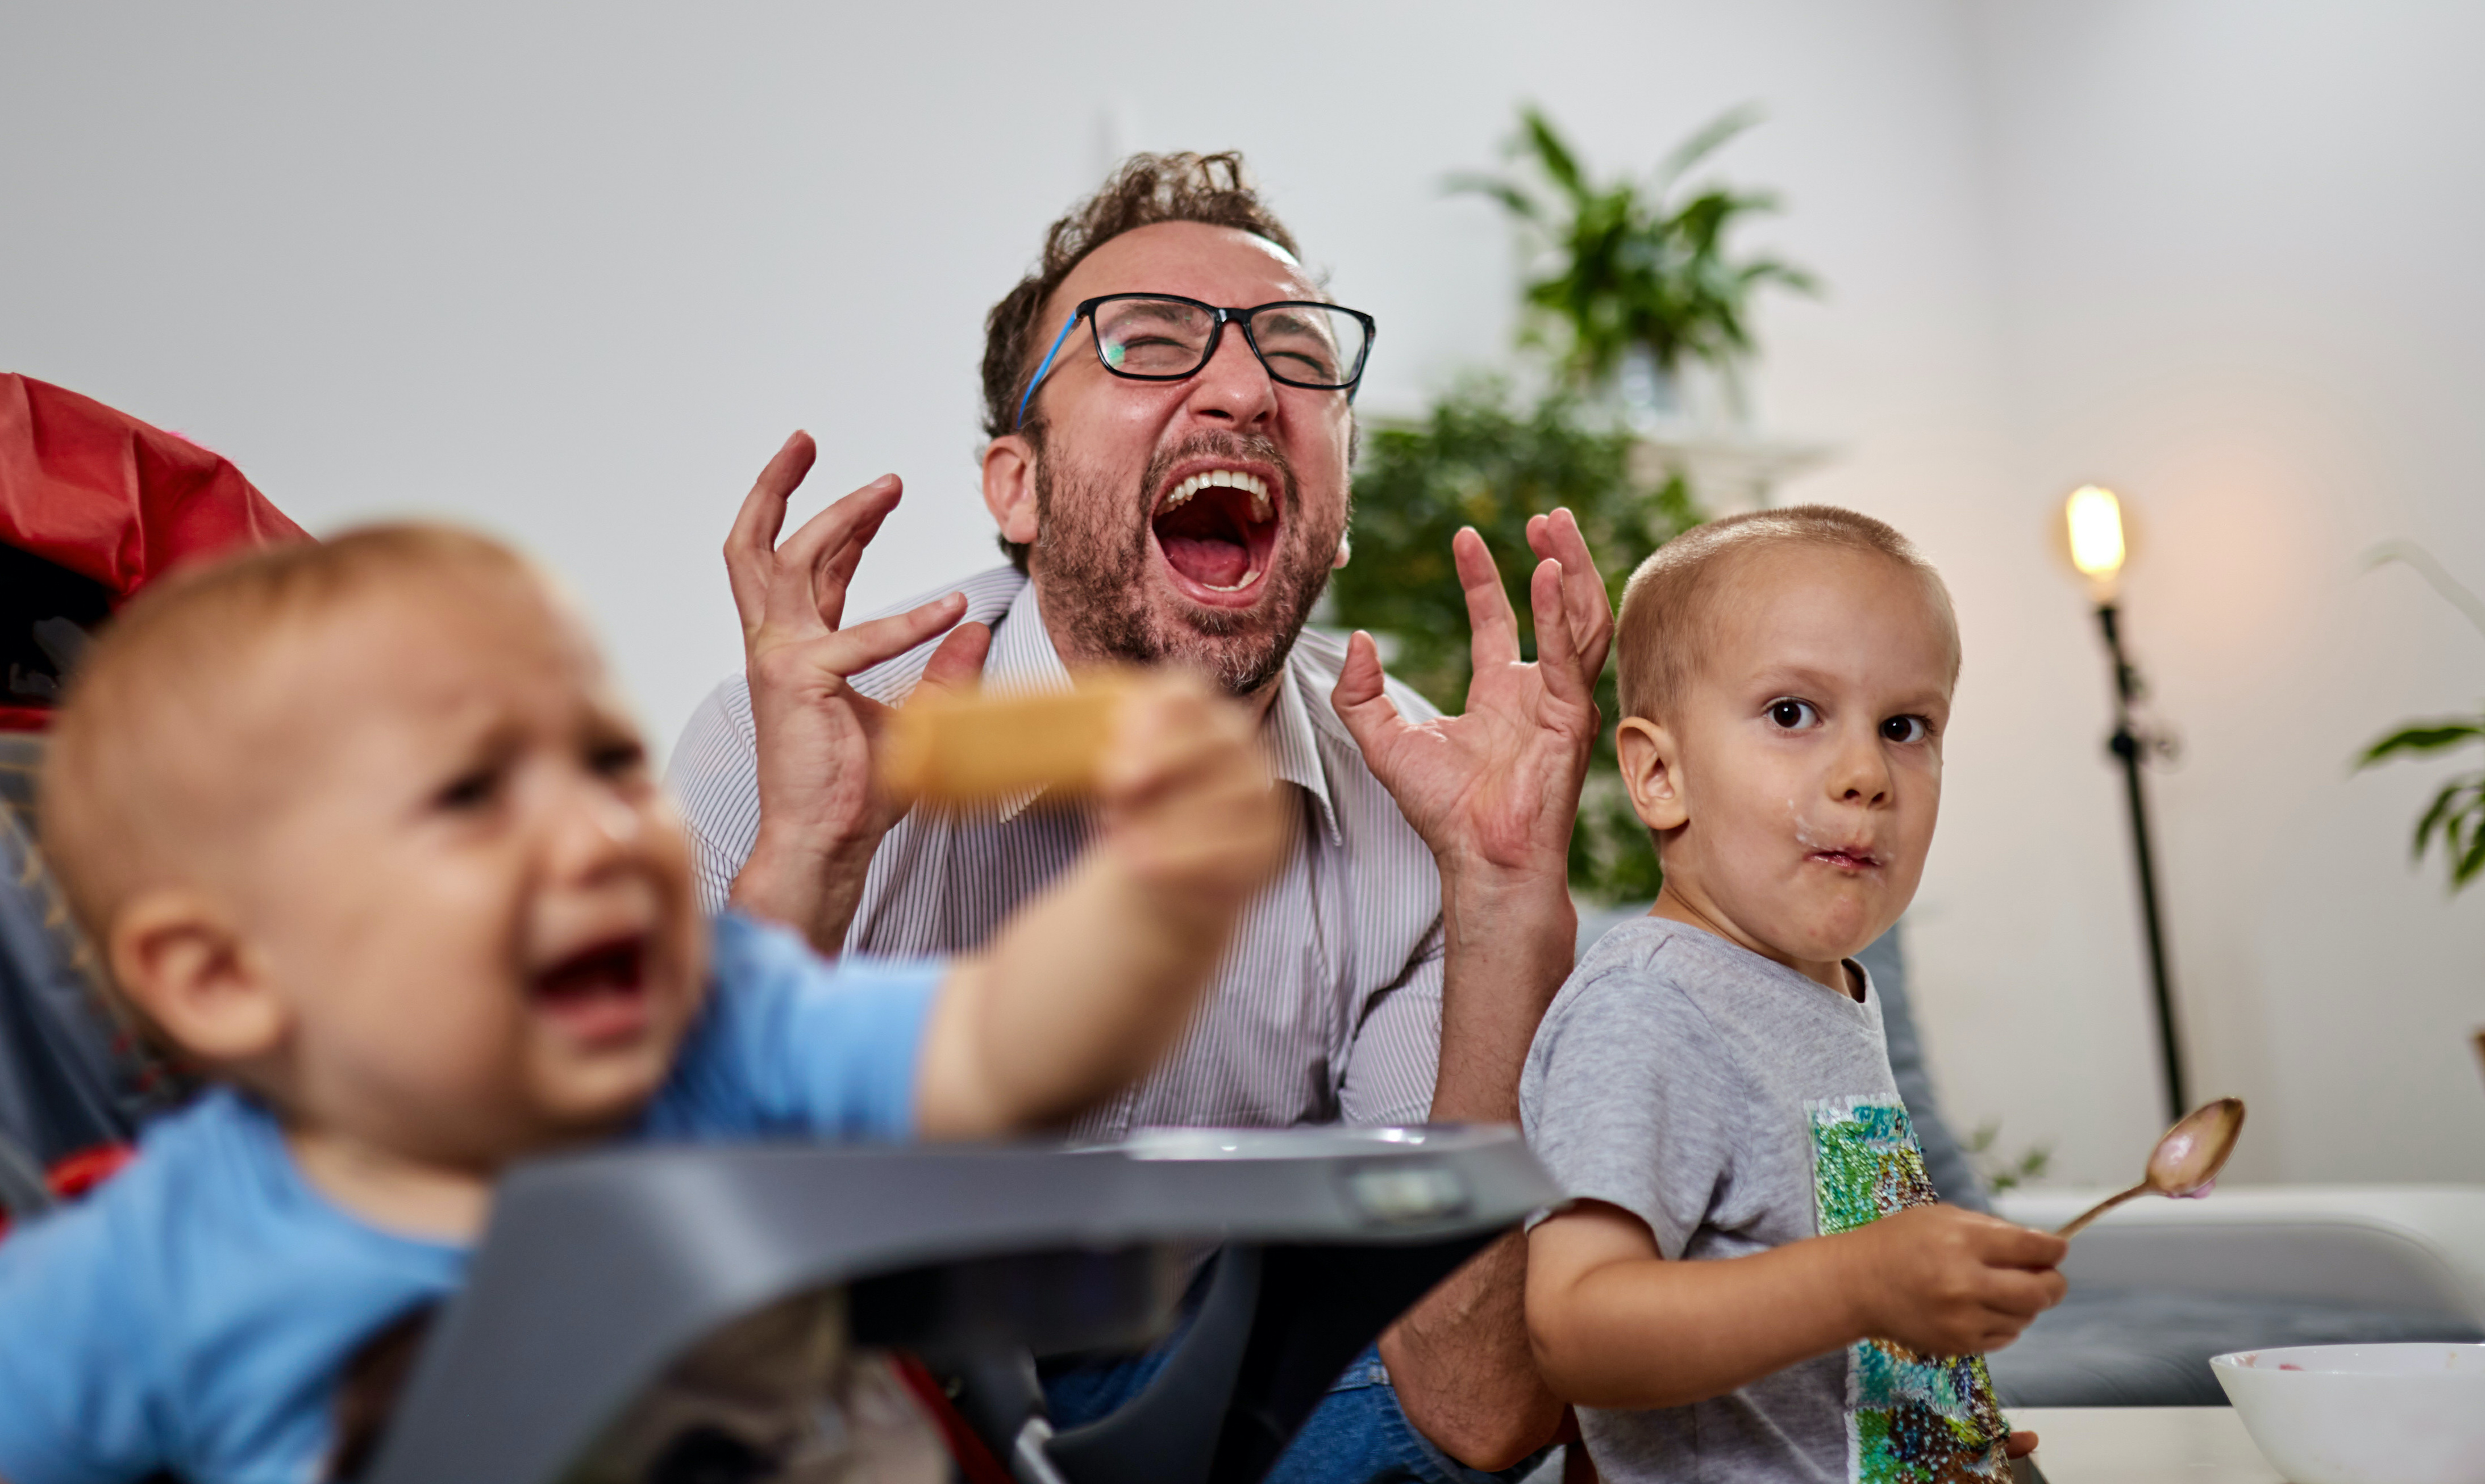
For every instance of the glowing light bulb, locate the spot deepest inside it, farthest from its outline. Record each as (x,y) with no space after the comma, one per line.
(2096,533)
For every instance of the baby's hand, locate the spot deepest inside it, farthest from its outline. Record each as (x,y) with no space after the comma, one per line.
(1187,807)
(1945,1281)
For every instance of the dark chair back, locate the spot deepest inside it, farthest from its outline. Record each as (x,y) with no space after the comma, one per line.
(70,1079)
(598,1274)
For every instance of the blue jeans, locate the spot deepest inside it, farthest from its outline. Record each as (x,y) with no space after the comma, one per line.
(1357,1435)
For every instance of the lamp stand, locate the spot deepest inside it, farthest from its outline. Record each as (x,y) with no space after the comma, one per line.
(2127,744)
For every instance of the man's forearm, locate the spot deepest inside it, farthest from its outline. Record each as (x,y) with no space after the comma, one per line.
(1461,1360)
(1510,940)
(814,893)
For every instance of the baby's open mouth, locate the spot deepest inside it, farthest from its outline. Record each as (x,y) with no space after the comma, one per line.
(1217,528)
(599,993)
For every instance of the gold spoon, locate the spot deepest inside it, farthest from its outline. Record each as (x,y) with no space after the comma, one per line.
(2185,1160)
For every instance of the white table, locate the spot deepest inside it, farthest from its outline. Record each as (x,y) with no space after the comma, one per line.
(2143,1446)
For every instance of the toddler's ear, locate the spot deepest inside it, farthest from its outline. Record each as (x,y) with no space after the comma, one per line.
(178,958)
(1652,771)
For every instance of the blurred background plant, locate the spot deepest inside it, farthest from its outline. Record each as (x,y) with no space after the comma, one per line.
(1626,269)
(1621,273)
(2457,813)
(2001,1171)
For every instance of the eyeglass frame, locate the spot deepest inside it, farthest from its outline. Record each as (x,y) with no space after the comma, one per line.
(1224,315)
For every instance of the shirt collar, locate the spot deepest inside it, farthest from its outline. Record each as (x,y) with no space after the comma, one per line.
(1294,747)
(1023,661)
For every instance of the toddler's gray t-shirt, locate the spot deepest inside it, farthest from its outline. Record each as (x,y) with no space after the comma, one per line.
(1734,1106)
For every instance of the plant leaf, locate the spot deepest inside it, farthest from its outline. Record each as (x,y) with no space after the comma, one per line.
(2428,737)
(1617,269)
(2441,803)
(2469,864)
(1555,156)
(2435,576)
(1711,136)
(1516,202)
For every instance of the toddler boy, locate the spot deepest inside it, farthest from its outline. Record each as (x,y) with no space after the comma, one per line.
(1756,1283)
(364,833)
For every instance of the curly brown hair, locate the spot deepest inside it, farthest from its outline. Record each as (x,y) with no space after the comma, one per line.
(1213,189)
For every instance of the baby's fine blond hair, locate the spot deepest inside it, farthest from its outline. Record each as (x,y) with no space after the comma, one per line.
(137,777)
(1670,607)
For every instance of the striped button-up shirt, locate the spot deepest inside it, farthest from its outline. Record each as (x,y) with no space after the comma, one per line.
(1327,1005)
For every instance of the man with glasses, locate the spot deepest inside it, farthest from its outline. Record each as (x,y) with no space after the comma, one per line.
(1170,399)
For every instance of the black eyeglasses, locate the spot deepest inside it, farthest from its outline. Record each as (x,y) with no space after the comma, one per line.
(1168,338)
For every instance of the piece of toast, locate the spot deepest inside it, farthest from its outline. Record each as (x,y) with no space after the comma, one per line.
(976,746)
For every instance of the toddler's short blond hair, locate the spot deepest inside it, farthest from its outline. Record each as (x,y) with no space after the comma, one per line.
(135,775)
(1670,607)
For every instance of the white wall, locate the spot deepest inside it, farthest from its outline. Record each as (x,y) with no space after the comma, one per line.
(2238,244)
(572,273)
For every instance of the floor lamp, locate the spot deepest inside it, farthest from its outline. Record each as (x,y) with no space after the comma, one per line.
(2095,519)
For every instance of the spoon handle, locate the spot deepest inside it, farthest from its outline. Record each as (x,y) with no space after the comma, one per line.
(2076,1224)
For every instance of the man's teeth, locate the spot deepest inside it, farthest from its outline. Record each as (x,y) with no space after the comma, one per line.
(1247,578)
(1230,478)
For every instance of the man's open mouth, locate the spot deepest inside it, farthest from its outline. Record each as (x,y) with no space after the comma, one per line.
(1218,528)
(599,993)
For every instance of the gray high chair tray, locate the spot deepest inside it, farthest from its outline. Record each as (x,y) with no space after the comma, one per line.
(599,1275)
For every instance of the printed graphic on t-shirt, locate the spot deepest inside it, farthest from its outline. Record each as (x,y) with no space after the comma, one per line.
(1911,1419)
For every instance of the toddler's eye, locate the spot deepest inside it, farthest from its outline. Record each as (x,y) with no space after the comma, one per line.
(1905,729)
(1793,715)
(468,791)
(617,759)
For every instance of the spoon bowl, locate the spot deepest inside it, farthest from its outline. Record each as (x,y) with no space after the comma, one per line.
(2194,1150)
(2186,1161)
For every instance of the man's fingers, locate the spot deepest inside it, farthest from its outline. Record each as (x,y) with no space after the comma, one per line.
(750,543)
(1559,537)
(800,563)
(1583,588)
(959,662)
(1586,582)
(763,509)
(1556,657)
(866,645)
(1361,700)
(1489,615)
(816,538)
(837,571)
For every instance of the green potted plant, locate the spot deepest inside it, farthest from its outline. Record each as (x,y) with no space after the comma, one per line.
(1632,281)
(2457,814)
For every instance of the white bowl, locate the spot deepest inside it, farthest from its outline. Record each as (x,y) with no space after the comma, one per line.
(2409,1414)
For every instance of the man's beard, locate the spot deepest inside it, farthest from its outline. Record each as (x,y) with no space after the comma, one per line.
(1093,559)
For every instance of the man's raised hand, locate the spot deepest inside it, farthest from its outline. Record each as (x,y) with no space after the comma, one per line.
(1493,791)
(821,815)
(1497,786)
